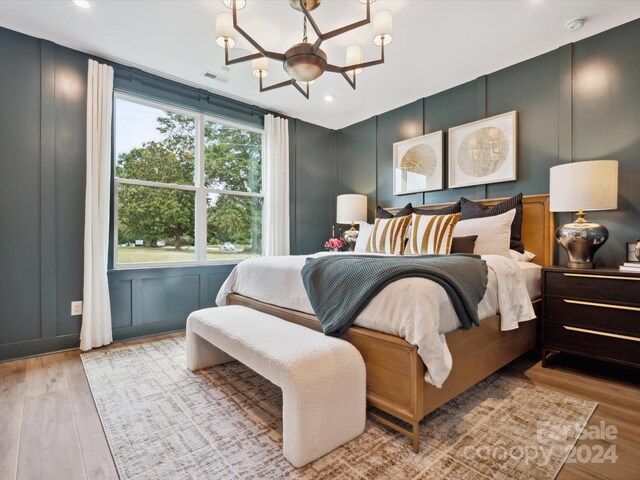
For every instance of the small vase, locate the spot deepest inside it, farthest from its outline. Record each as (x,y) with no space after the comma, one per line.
(637,249)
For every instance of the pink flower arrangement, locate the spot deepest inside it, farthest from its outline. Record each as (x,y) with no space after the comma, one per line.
(334,243)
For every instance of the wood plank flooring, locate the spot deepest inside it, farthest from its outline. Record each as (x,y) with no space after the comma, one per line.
(50,429)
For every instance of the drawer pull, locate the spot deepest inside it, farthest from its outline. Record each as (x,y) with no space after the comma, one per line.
(603,305)
(606,277)
(604,334)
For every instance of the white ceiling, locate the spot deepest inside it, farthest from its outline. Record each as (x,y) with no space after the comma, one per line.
(436,44)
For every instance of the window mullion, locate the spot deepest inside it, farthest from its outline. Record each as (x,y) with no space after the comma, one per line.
(201,195)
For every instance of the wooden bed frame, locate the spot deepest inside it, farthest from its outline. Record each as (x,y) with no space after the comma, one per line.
(395,371)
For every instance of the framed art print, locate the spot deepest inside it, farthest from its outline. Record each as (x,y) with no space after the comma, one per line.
(484,151)
(418,164)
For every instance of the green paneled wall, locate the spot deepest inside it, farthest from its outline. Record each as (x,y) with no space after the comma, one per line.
(42,175)
(579,102)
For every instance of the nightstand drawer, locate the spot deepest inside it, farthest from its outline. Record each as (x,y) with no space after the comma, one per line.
(592,314)
(593,342)
(593,287)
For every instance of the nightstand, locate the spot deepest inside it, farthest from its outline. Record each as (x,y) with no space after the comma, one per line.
(592,313)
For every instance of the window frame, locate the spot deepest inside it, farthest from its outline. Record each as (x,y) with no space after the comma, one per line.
(198,186)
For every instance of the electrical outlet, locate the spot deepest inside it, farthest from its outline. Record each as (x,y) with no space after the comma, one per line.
(76,308)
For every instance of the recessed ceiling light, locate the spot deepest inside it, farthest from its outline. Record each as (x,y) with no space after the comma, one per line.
(575,24)
(329,98)
(82,3)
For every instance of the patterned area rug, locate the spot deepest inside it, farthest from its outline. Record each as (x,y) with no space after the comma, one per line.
(163,421)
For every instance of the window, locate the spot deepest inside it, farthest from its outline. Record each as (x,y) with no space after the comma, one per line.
(188,186)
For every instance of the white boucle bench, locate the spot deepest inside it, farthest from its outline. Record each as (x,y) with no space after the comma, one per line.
(322,378)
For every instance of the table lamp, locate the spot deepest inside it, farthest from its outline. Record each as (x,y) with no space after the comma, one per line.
(351,208)
(580,187)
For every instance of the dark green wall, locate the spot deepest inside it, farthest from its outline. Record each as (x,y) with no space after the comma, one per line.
(42,175)
(580,102)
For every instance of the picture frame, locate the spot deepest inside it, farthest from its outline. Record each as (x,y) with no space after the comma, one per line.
(418,164)
(484,151)
(631,252)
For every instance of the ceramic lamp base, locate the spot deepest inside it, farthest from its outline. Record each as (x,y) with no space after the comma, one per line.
(350,237)
(581,240)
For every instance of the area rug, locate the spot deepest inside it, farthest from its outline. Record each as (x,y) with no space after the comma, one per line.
(162,421)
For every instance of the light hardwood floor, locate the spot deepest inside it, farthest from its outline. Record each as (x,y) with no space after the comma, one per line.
(50,429)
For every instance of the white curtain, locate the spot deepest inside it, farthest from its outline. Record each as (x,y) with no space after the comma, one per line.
(275,229)
(96,311)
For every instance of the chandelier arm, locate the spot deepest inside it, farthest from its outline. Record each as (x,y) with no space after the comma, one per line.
(339,31)
(333,33)
(233,61)
(365,64)
(350,81)
(301,90)
(277,85)
(256,45)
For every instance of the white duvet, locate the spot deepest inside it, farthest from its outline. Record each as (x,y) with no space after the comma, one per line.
(415,309)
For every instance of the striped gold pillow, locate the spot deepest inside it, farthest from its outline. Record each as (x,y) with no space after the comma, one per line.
(431,234)
(387,235)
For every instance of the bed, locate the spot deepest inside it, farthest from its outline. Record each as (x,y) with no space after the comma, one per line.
(396,383)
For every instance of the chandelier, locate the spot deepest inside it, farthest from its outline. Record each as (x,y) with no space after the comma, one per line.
(304,61)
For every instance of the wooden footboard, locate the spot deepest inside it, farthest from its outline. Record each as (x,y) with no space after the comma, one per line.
(395,371)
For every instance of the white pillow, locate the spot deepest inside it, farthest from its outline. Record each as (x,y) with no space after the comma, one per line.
(363,237)
(494,233)
(521,257)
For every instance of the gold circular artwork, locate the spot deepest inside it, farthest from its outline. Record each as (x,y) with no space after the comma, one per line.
(420,159)
(483,152)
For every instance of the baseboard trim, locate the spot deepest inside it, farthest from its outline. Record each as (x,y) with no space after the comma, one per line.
(40,346)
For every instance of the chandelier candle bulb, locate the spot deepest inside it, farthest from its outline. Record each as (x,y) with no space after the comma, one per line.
(354,57)
(382,27)
(260,67)
(225,30)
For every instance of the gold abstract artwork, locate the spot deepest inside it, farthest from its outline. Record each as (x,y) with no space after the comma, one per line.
(483,152)
(420,159)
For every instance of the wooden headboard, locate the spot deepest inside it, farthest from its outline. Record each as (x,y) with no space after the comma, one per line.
(537,225)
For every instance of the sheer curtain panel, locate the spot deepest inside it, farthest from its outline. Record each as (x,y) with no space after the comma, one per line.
(96,311)
(276,186)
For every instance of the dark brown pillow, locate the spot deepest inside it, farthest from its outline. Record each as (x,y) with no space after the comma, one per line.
(471,209)
(382,213)
(455,208)
(463,244)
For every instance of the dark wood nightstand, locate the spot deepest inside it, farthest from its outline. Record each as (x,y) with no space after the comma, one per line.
(593,313)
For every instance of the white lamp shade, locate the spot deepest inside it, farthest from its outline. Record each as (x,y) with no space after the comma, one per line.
(382,27)
(225,30)
(351,208)
(260,65)
(354,57)
(591,185)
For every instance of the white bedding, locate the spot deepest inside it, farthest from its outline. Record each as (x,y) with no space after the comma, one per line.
(415,309)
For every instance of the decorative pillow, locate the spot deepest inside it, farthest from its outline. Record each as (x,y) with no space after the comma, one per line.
(382,213)
(471,209)
(464,244)
(521,257)
(431,234)
(363,237)
(455,208)
(387,235)
(493,233)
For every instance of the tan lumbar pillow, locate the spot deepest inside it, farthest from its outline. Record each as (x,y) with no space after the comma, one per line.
(387,235)
(431,234)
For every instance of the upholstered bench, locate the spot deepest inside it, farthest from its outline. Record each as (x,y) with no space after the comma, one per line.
(322,378)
